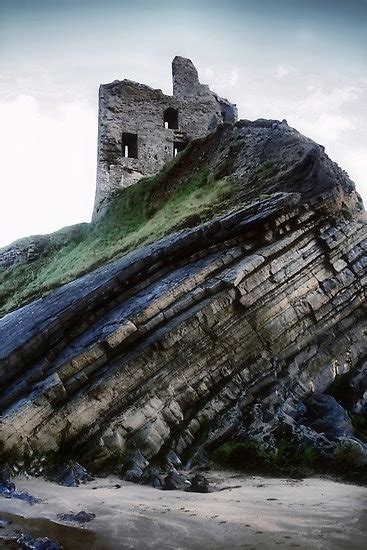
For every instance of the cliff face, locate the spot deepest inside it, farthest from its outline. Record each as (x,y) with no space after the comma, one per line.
(228,330)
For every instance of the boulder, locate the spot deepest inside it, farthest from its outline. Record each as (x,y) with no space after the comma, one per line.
(152,477)
(43,543)
(9,490)
(133,474)
(324,415)
(175,481)
(69,474)
(4,523)
(77,517)
(172,460)
(199,484)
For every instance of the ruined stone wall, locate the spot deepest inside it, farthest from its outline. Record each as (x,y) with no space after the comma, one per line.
(137,109)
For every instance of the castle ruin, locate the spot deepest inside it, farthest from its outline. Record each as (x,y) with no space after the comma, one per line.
(140,128)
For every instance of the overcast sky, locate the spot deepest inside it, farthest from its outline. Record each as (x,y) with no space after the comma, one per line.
(305,61)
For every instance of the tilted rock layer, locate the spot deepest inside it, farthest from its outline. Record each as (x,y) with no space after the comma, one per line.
(248,313)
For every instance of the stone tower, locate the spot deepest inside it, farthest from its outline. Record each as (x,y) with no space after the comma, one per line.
(140,128)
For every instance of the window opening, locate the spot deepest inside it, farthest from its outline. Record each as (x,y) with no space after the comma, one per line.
(129,145)
(171,118)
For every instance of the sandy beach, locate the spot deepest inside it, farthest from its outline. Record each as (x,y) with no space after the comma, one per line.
(246,512)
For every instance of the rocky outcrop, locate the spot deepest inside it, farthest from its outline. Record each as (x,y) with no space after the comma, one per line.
(8,489)
(19,251)
(216,331)
(33,248)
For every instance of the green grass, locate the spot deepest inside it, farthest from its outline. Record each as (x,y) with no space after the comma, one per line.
(237,145)
(267,169)
(250,457)
(139,214)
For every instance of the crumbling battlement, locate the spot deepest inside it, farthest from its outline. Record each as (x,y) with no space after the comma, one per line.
(140,128)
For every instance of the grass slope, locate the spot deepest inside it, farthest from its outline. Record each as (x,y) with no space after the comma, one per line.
(139,214)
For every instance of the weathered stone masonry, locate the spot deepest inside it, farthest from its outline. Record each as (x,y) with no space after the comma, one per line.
(140,128)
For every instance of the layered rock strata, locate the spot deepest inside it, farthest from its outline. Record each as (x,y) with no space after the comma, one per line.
(251,312)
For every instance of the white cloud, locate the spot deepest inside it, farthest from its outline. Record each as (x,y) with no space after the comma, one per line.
(281,71)
(355,162)
(220,81)
(329,100)
(47,166)
(326,127)
(208,73)
(234,76)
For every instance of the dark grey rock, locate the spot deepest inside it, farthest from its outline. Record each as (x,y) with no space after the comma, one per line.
(152,477)
(8,488)
(77,517)
(175,481)
(199,461)
(173,460)
(324,415)
(134,475)
(70,474)
(4,523)
(138,460)
(5,478)
(44,543)
(199,484)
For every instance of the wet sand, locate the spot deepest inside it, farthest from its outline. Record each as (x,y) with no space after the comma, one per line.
(247,512)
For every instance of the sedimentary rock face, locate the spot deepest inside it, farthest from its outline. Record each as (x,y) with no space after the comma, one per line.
(241,317)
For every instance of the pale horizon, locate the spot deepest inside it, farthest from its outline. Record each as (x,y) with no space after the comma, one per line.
(302,61)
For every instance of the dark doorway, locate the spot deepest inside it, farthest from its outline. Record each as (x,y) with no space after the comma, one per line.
(171,118)
(129,145)
(178,146)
